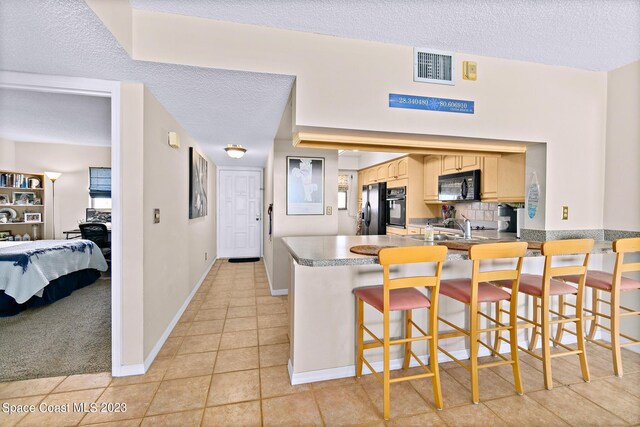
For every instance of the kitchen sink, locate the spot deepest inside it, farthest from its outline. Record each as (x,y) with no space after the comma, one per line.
(436,237)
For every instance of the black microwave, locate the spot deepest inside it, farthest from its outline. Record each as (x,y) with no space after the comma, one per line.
(462,186)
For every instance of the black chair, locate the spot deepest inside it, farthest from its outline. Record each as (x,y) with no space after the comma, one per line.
(99,235)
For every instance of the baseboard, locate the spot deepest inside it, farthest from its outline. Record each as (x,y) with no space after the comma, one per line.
(274,292)
(163,338)
(129,370)
(350,370)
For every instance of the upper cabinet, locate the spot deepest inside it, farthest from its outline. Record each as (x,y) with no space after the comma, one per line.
(502,178)
(511,171)
(454,164)
(489,179)
(381,173)
(403,167)
(432,170)
(398,169)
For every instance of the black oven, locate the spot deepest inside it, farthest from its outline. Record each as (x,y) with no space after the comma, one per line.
(397,206)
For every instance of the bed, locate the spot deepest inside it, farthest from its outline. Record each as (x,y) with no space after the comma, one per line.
(41,272)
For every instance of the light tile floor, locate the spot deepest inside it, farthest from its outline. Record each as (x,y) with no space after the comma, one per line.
(225,364)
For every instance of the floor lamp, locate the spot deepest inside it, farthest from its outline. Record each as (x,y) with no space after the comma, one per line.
(53,176)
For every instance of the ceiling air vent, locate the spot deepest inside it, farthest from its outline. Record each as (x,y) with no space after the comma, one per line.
(433,66)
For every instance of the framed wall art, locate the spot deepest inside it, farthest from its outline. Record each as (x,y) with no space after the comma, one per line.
(198,180)
(305,185)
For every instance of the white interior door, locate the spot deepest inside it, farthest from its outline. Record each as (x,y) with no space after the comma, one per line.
(240,214)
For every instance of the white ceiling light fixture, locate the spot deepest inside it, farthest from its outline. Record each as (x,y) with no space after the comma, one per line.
(235,151)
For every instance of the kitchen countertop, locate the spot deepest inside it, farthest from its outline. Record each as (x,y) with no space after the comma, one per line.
(330,251)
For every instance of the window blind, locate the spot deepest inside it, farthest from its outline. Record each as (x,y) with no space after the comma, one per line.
(100,182)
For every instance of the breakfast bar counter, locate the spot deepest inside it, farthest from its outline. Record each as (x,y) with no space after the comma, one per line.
(324,273)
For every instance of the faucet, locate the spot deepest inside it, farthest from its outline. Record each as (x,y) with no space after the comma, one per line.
(466,228)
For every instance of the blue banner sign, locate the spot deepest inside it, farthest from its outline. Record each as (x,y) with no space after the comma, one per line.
(434,104)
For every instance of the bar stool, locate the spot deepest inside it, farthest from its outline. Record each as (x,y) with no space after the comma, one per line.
(542,288)
(476,290)
(614,284)
(401,294)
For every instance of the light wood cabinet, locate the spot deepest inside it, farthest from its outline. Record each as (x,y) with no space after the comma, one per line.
(397,231)
(371,176)
(392,170)
(402,168)
(22,204)
(381,173)
(413,230)
(432,170)
(503,178)
(489,179)
(511,171)
(454,164)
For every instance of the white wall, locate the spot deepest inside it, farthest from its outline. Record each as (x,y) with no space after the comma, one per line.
(622,198)
(514,100)
(368,158)
(72,188)
(267,181)
(348,162)
(298,225)
(174,249)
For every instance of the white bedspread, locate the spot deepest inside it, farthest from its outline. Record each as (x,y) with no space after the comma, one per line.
(57,260)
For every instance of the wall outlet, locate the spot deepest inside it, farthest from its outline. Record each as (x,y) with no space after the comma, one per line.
(206,255)
(329,210)
(565,213)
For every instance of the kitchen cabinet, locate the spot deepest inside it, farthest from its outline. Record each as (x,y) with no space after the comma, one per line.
(413,230)
(392,169)
(371,176)
(381,173)
(432,166)
(402,168)
(489,179)
(398,169)
(511,171)
(503,178)
(397,231)
(455,164)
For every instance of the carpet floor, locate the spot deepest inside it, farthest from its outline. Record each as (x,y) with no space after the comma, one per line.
(70,336)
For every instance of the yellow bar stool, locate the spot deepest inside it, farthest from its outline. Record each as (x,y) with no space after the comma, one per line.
(400,294)
(614,284)
(543,288)
(476,290)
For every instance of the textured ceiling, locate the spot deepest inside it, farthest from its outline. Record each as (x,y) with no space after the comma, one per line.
(217,107)
(54,117)
(591,34)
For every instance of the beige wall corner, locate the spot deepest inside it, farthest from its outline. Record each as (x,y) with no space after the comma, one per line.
(132,133)
(117,16)
(622,198)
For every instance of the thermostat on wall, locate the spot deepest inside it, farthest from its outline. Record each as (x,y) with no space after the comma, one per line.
(174,140)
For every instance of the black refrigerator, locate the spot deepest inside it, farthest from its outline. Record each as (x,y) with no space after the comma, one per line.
(374,209)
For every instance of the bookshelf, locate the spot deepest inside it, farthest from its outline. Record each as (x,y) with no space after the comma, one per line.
(22,199)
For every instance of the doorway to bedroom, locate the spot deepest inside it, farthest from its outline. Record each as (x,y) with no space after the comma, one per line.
(65,326)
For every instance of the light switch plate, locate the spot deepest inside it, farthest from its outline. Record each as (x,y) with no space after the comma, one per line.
(156,216)
(565,213)
(329,210)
